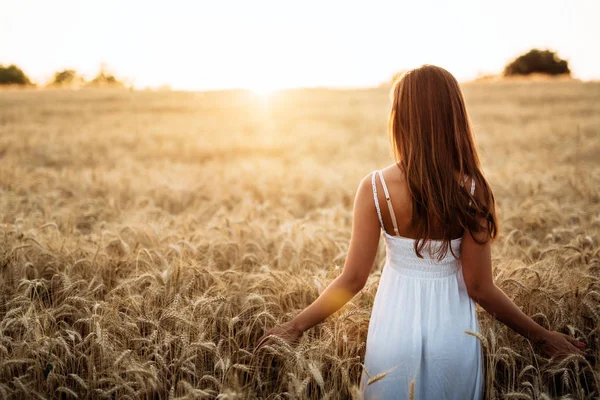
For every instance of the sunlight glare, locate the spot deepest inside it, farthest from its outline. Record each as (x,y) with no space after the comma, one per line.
(263,90)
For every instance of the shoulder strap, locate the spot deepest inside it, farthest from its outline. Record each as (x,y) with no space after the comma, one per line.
(389,203)
(376,199)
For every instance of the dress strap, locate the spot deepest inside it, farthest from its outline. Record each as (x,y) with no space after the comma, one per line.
(389,203)
(376,199)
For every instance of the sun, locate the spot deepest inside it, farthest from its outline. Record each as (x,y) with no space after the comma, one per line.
(263,89)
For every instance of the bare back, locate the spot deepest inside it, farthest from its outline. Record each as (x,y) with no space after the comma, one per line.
(400,199)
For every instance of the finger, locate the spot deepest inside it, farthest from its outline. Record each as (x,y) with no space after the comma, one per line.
(566,349)
(573,341)
(558,357)
(576,350)
(562,352)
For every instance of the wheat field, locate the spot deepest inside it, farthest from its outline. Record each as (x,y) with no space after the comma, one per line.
(148,239)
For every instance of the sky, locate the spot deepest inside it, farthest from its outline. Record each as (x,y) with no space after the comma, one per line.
(266,45)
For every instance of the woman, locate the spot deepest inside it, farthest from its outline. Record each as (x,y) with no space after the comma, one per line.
(438,231)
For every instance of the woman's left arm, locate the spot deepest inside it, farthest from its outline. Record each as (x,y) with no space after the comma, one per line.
(359,262)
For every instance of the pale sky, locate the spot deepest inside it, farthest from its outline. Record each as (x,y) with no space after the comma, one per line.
(262,45)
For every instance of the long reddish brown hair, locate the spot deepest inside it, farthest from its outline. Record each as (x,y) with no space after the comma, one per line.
(433,144)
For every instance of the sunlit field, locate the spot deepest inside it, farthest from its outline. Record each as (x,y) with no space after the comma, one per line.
(148,239)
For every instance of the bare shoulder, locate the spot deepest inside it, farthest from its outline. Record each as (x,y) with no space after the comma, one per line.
(397,184)
(365,188)
(363,200)
(393,173)
(365,182)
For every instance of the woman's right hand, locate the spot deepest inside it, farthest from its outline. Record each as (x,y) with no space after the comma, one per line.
(556,344)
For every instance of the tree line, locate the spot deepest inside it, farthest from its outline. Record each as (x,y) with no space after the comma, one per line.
(13,75)
(534,61)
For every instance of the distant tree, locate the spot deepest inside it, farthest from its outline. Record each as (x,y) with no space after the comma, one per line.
(537,61)
(67,77)
(13,75)
(104,78)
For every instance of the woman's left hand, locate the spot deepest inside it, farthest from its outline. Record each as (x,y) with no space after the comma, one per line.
(285,331)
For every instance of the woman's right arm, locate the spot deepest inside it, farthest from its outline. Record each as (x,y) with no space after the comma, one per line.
(476,263)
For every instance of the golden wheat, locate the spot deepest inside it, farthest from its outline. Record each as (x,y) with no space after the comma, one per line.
(149,239)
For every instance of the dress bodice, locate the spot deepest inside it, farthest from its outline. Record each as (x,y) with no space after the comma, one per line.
(401,256)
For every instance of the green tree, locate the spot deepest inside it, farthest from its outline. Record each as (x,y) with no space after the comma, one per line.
(537,61)
(66,77)
(105,78)
(13,75)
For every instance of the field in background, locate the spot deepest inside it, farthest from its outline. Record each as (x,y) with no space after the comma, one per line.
(148,239)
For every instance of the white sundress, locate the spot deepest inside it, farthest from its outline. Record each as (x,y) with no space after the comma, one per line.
(418,322)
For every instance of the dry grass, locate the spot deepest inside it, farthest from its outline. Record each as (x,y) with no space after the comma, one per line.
(149,239)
